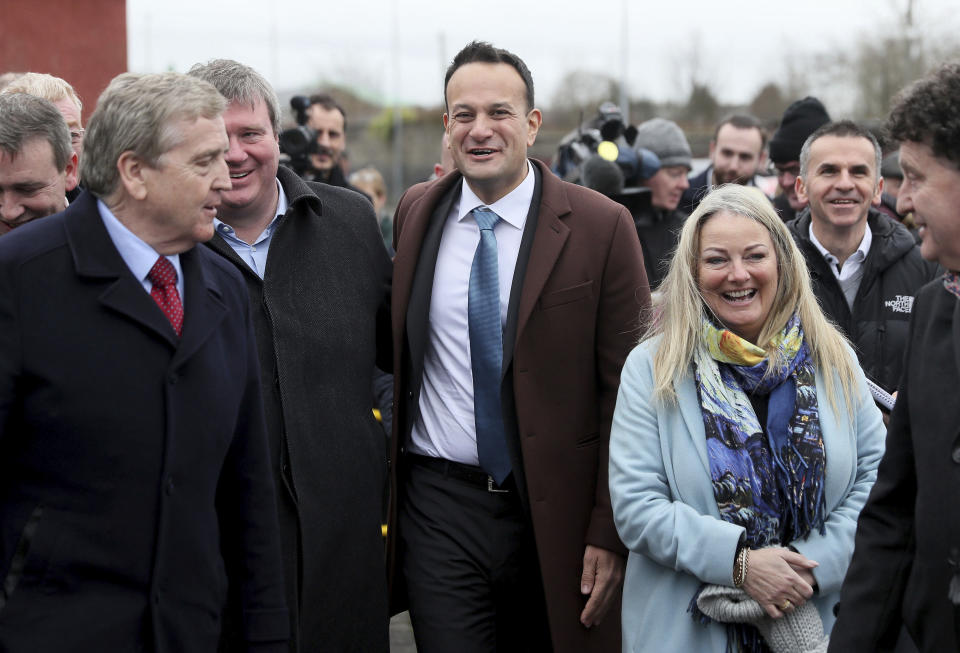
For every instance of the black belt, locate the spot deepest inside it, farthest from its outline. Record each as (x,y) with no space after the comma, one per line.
(467,473)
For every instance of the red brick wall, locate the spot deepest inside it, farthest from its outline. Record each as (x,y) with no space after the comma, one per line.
(82,41)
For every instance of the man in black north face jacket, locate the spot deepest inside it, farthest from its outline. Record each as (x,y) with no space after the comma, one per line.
(864,266)
(893,272)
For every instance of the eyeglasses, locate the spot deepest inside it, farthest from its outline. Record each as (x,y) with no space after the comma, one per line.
(791,170)
(76,135)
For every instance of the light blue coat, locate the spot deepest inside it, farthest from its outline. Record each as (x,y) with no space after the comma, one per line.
(666,512)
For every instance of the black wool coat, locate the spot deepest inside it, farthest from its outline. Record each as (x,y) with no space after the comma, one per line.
(908,536)
(322,318)
(134,472)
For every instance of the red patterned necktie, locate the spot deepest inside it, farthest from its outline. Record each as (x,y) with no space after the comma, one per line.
(163,276)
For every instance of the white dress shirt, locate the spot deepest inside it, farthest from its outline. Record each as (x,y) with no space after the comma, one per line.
(446,426)
(851,273)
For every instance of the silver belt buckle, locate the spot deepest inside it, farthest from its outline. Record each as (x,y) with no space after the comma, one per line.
(492,487)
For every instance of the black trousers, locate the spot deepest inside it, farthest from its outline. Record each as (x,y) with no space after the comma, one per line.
(470,566)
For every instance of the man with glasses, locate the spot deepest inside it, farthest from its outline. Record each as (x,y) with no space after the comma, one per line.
(61,94)
(801,119)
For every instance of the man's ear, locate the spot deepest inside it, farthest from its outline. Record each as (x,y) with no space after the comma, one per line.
(71,172)
(801,189)
(133,173)
(534,120)
(878,193)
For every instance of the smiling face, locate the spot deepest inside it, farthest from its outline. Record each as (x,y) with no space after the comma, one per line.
(490,127)
(736,154)
(252,158)
(30,185)
(737,272)
(931,190)
(842,182)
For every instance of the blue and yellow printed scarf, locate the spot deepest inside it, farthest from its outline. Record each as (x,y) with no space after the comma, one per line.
(770,481)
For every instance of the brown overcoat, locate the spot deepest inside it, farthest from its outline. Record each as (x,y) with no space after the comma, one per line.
(573,316)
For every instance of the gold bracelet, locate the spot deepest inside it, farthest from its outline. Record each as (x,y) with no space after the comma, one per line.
(738,567)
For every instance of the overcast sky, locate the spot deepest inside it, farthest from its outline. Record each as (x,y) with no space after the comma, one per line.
(372,44)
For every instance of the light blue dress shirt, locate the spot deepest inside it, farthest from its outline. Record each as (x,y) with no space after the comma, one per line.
(138,255)
(255,255)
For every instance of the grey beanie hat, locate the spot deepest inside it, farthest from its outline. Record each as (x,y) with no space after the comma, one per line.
(798,631)
(665,139)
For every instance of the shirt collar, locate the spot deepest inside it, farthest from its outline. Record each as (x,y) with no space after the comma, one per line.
(282,205)
(860,254)
(137,254)
(512,207)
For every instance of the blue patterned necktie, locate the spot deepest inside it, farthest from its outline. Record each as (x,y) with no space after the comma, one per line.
(486,349)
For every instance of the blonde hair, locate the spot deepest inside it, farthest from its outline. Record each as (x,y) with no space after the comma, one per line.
(46,86)
(681,310)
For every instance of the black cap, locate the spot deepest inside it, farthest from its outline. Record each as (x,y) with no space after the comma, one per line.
(801,119)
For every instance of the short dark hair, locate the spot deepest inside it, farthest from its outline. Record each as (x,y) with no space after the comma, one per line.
(483,52)
(24,117)
(742,121)
(845,129)
(326,101)
(926,112)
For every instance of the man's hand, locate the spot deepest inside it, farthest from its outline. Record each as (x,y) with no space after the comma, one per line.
(601,579)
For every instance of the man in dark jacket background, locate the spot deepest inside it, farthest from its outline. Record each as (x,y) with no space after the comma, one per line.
(737,152)
(656,215)
(801,119)
(906,563)
(865,267)
(319,280)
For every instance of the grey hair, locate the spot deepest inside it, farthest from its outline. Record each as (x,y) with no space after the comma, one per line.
(24,116)
(845,129)
(46,86)
(682,309)
(139,113)
(240,83)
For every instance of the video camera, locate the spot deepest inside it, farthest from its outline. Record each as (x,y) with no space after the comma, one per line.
(600,154)
(299,142)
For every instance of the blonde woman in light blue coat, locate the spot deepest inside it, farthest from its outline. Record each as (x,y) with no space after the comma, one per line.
(732,462)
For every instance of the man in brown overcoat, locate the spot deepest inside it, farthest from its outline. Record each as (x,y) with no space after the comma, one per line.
(516,300)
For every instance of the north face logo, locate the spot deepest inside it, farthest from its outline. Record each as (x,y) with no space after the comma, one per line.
(902,304)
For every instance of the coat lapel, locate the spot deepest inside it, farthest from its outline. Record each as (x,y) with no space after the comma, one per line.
(414,264)
(221,247)
(203,307)
(548,241)
(520,271)
(689,402)
(96,257)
